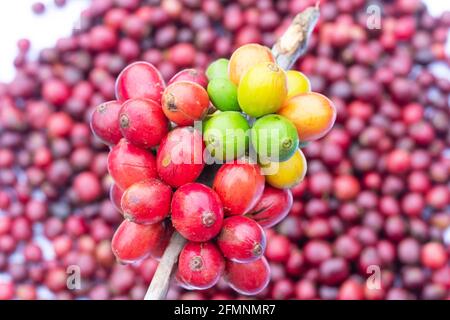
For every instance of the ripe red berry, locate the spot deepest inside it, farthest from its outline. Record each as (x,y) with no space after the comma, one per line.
(239,186)
(248,278)
(143,123)
(192,75)
(180,156)
(317,251)
(129,164)
(105,122)
(346,187)
(433,255)
(55,91)
(241,239)
(278,248)
(133,242)
(197,212)
(7,290)
(200,265)
(185,102)
(398,161)
(87,187)
(115,195)
(146,202)
(351,290)
(182,54)
(140,80)
(59,125)
(272,207)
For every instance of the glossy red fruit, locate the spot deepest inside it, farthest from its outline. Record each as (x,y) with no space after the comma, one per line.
(139,80)
(87,187)
(133,242)
(241,239)
(239,185)
(105,122)
(115,195)
(185,102)
(434,255)
(180,156)
(272,207)
(197,212)
(248,278)
(129,164)
(147,202)
(351,290)
(143,123)
(200,265)
(192,75)
(55,91)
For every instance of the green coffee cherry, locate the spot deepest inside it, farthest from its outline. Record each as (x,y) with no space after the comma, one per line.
(223,94)
(218,69)
(226,135)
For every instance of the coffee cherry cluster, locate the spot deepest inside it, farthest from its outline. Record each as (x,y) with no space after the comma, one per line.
(248,142)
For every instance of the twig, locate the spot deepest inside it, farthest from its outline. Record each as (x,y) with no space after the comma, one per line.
(292,45)
(161,280)
(294,42)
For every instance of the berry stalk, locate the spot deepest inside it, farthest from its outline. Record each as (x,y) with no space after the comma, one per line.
(291,46)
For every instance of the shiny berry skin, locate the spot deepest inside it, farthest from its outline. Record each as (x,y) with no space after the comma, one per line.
(55,91)
(143,123)
(87,187)
(185,102)
(129,164)
(241,239)
(192,75)
(139,80)
(200,265)
(272,207)
(245,177)
(317,251)
(248,278)
(197,212)
(180,156)
(133,242)
(147,202)
(434,255)
(105,122)
(115,195)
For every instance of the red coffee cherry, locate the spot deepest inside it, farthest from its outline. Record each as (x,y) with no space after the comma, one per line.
(248,278)
(434,255)
(180,156)
(197,212)
(115,195)
(140,80)
(192,75)
(241,239)
(105,122)
(133,242)
(239,186)
(185,102)
(272,207)
(146,202)
(143,123)
(200,265)
(129,164)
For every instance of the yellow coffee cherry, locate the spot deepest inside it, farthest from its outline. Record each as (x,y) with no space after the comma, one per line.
(286,174)
(297,83)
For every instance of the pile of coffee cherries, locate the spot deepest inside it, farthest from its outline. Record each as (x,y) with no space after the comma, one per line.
(158,154)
